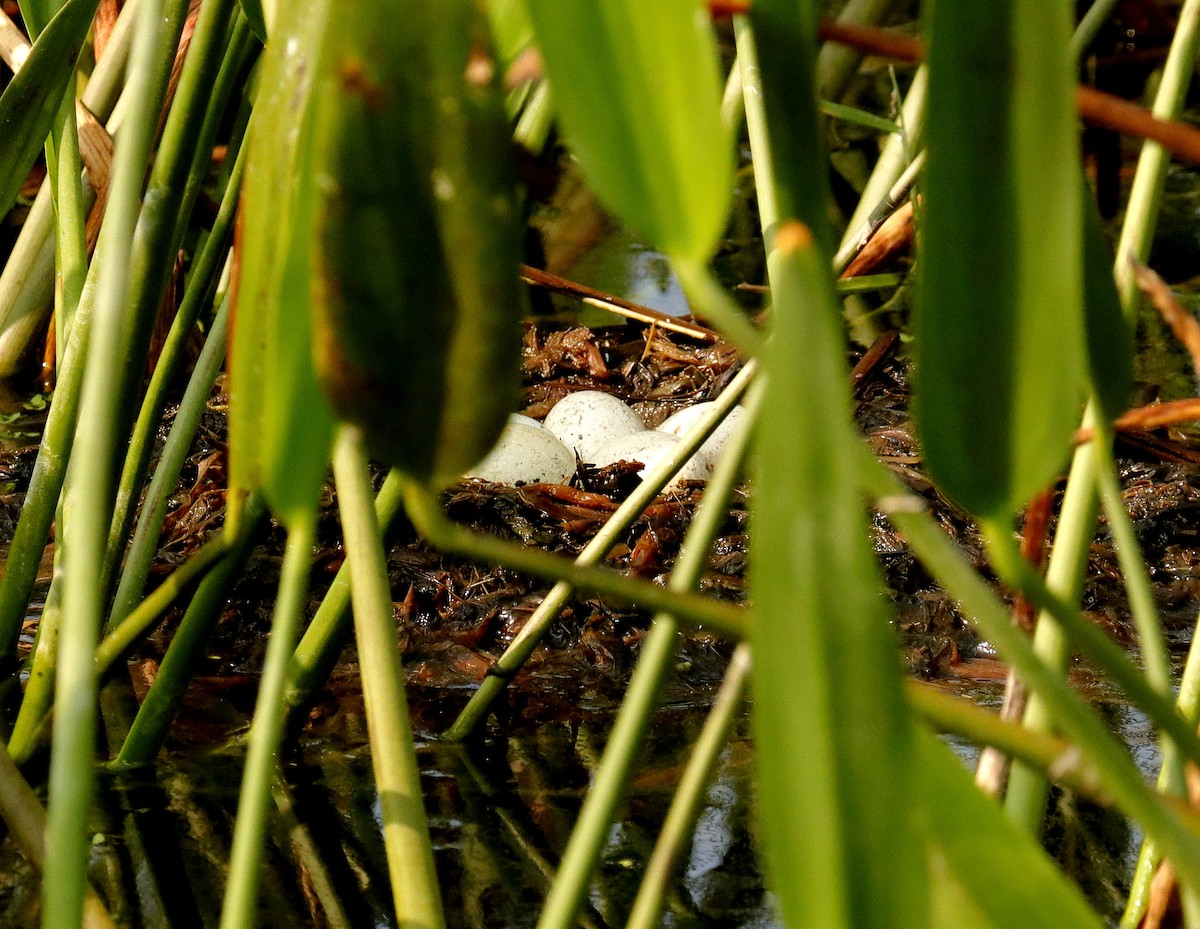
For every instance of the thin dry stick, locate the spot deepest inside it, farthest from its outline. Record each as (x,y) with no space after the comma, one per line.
(615,304)
(1182,323)
(1097,108)
(1153,416)
(991,774)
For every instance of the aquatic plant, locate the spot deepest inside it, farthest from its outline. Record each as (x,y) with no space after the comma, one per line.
(372,301)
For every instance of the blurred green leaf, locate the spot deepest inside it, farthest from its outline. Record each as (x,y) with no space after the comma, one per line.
(638,88)
(841,817)
(511,30)
(280,424)
(1109,340)
(33,98)
(988,873)
(418,302)
(999,327)
(785,40)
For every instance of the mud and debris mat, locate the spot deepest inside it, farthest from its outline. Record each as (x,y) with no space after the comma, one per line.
(455,616)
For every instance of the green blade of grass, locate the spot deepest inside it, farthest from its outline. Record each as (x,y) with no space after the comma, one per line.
(986,871)
(638,90)
(31,102)
(1000,365)
(836,768)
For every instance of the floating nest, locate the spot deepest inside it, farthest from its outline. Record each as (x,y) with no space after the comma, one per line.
(456,616)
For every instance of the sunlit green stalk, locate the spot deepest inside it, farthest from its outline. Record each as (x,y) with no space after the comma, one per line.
(156,242)
(140,620)
(27,279)
(898,152)
(266,732)
(1026,798)
(228,85)
(174,455)
(756,127)
(1156,660)
(963,717)
(88,506)
(132,621)
(65,168)
(393,755)
(610,783)
(679,826)
(329,630)
(1116,773)
(614,528)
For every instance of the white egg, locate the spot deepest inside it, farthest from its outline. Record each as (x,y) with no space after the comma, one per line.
(680,422)
(587,419)
(650,448)
(521,419)
(526,455)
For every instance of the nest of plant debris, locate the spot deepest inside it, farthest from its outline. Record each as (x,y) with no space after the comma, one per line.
(456,616)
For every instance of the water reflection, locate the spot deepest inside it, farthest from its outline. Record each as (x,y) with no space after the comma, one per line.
(500,812)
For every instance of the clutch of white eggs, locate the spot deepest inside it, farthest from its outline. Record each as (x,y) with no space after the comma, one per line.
(601,430)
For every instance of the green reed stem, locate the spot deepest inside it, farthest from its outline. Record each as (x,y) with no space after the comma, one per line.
(627,513)
(64,166)
(329,630)
(135,618)
(162,702)
(149,611)
(201,284)
(1108,657)
(88,506)
(1170,782)
(27,279)
(1026,799)
(679,827)
(266,732)
(610,783)
(170,463)
(45,485)
(29,726)
(1116,774)
(189,130)
(1055,757)
(393,753)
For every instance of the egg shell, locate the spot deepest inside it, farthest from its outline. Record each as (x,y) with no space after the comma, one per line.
(526,455)
(587,419)
(683,420)
(650,448)
(521,419)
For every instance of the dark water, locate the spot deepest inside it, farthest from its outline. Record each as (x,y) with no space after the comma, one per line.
(500,814)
